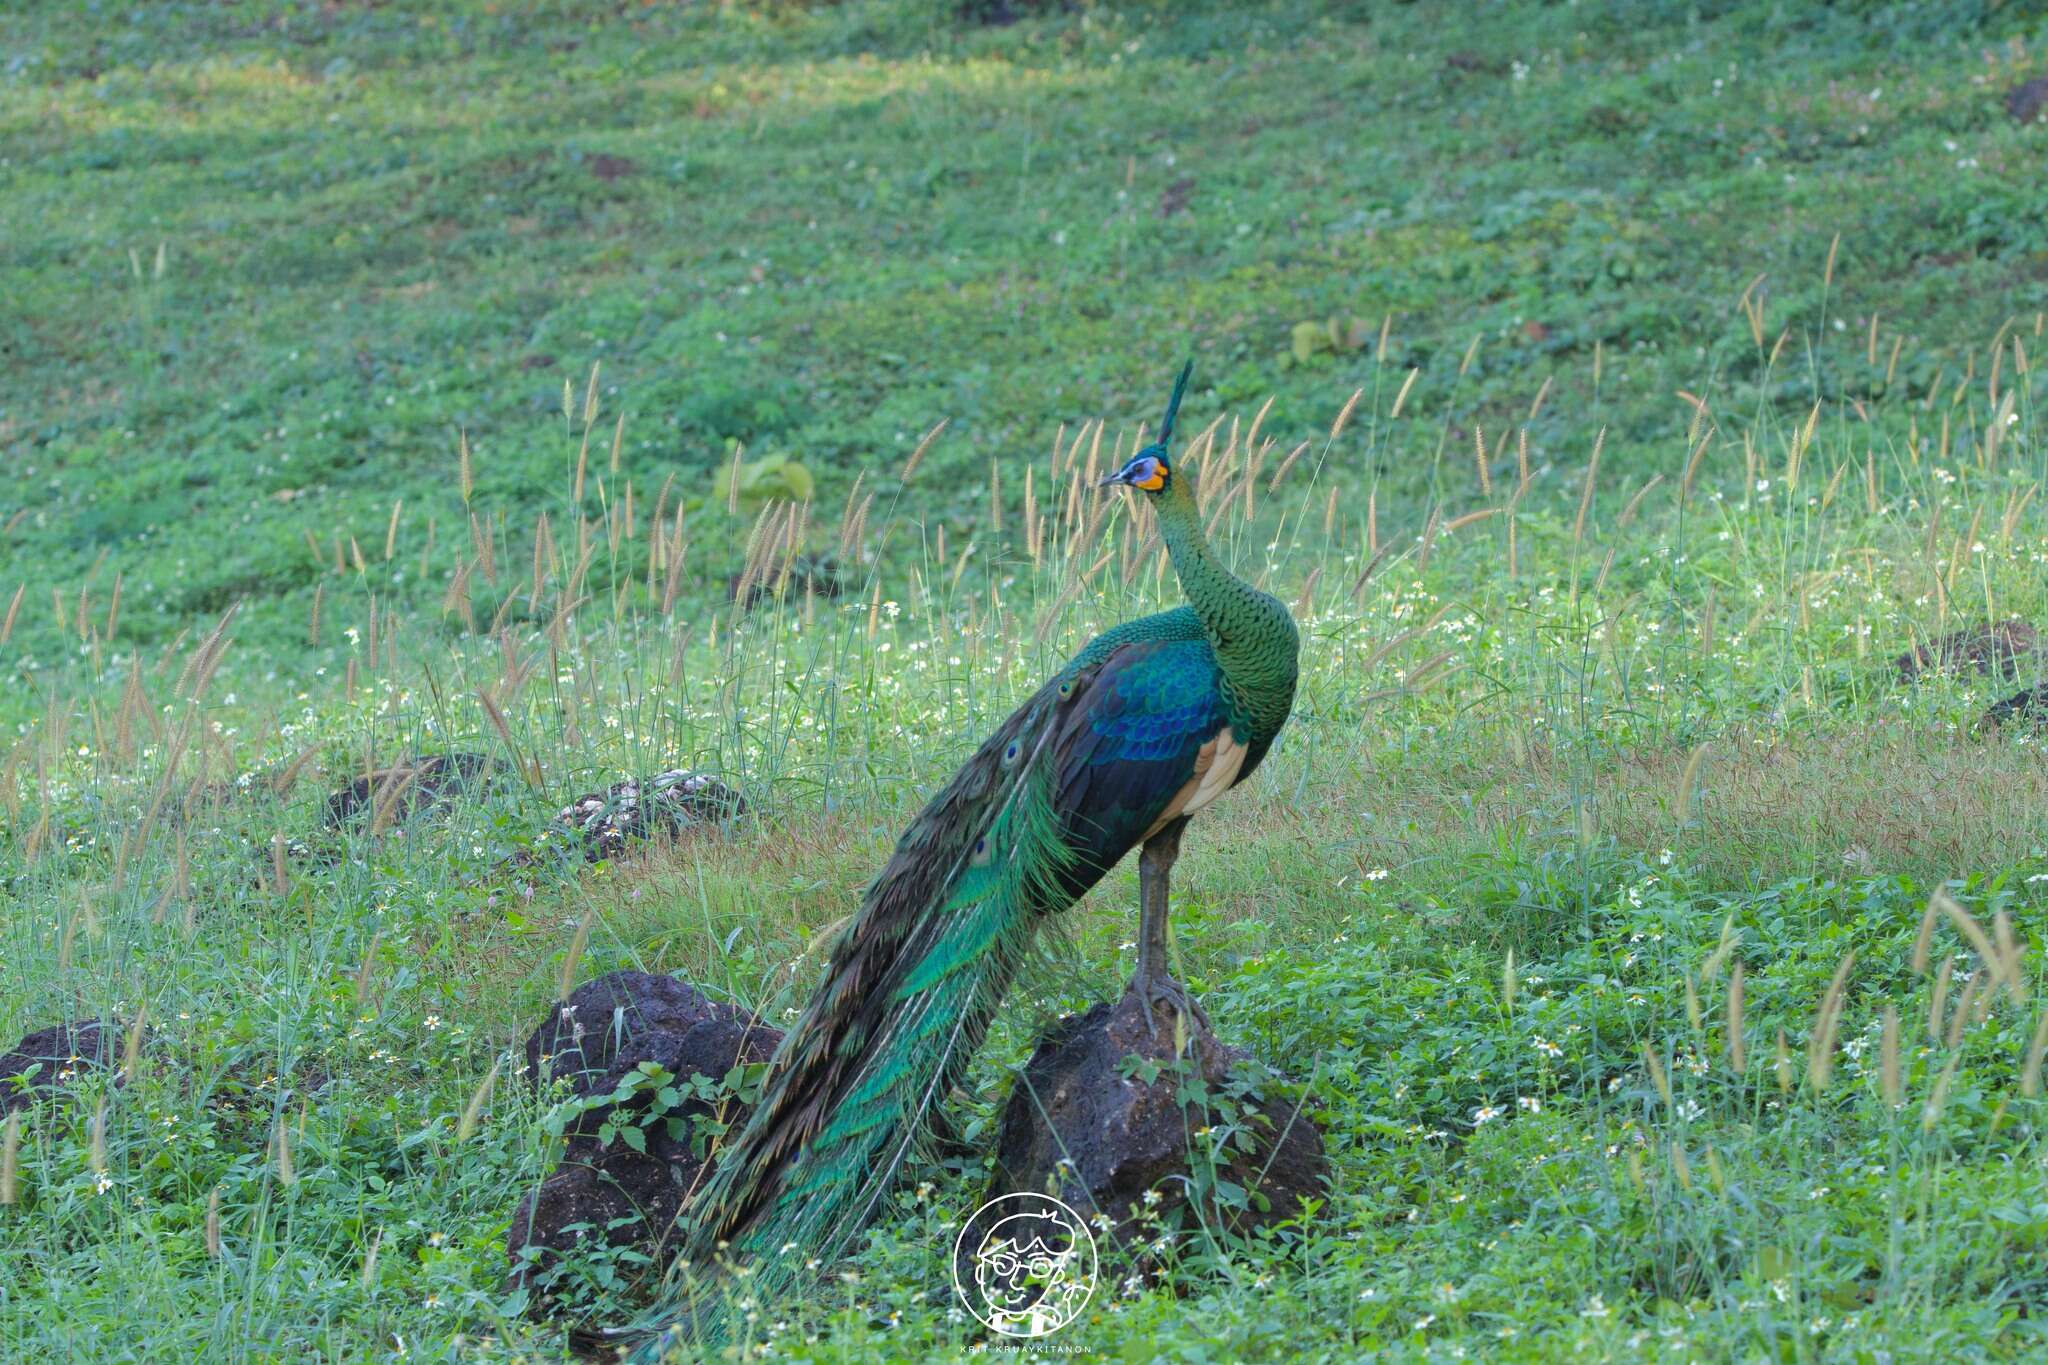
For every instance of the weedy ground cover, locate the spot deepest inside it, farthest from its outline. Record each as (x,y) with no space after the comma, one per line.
(1613,394)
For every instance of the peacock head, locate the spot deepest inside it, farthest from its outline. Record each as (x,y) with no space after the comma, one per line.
(1146,471)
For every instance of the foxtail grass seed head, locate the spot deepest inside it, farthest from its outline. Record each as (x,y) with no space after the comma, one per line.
(1401,398)
(1820,1054)
(1937,1099)
(567,980)
(1782,1065)
(1973,990)
(1343,419)
(366,970)
(917,455)
(1937,1001)
(213,1223)
(475,1107)
(1972,931)
(97,1154)
(1586,491)
(131,1048)
(1657,1076)
(281,1153)
(1888,1058)
(2012,954)
(1736,1056)
(1688,783)
(2030,1072)
(1923,942)
(1507,984)
(10,1159)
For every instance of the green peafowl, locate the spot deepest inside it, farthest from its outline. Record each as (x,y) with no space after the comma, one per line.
(1147,725)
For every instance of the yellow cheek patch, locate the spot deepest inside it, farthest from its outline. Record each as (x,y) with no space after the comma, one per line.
(1155,483)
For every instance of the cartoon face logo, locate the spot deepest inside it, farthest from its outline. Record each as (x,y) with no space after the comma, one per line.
(1024,1265)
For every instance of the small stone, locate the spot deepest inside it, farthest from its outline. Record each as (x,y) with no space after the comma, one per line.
(1079,1128)
(2027,102)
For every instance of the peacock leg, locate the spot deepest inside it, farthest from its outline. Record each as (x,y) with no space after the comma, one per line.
(1153,983)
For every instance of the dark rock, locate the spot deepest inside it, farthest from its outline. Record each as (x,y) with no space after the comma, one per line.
(427,782)
(1079,1128)
(817,575)
(2021,712)
(2027,102)
(52,1058)
(1476,63)
(665,804)
(1174,198)
(1996,648)
(1003,13)
(596,1040)
(256,1087)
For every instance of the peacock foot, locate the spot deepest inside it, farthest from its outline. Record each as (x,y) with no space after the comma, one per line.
(1157,989)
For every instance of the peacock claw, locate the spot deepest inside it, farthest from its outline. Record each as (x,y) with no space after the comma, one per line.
(1156,989)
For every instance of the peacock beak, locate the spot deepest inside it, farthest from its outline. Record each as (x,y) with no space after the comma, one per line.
(1110,480)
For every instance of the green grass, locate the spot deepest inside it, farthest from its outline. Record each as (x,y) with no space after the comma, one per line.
(1620,731)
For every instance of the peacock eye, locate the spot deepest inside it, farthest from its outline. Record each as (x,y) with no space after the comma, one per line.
(1011,751)
(981,850)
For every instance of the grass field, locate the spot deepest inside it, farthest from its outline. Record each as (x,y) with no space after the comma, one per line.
(1615,390)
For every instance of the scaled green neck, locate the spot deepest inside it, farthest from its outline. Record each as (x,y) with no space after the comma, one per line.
(1252,633)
